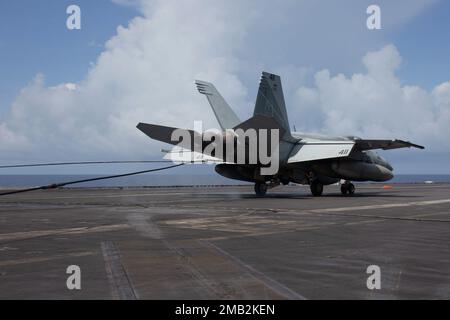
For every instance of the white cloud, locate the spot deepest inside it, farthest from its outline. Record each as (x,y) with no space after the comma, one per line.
(134,3)
(375,104)
(147,73)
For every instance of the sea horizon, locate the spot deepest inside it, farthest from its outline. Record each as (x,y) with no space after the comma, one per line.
(166,180)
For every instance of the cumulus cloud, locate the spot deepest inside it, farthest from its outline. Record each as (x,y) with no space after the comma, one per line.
(375,104)
(147,72)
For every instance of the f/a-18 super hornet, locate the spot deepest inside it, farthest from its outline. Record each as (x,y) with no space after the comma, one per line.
(315,160)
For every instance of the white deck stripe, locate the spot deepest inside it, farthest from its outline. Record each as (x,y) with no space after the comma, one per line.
(383,206)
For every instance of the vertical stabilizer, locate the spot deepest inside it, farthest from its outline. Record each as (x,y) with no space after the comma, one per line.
(225,115)
(270,100)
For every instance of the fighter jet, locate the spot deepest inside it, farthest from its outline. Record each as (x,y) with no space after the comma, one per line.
(309,159)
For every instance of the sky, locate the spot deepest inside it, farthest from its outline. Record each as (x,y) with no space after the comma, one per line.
(78,94)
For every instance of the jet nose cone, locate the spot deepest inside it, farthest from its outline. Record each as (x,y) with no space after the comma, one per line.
(388,165)
(384,174)
(390,175)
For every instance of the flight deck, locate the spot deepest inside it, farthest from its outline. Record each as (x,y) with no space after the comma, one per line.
(224,242)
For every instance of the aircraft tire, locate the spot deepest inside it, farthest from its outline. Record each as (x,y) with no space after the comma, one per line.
(316,188)
(260,189)
(348,188)
(351,188)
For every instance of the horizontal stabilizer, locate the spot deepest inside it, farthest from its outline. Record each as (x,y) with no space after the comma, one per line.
(178,154)
(261,122)
(193,144)
(164,134)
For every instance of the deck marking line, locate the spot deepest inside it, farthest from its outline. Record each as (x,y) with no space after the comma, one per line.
(269,282)
(121,287)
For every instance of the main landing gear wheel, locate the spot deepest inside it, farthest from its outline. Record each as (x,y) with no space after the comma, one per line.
(260,189)
(316,188)
(347,188)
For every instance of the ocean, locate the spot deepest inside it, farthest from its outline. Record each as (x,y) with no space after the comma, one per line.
(153,180)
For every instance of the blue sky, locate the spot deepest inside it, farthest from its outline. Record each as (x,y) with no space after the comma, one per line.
(425,47)
(296,39)
(34,39)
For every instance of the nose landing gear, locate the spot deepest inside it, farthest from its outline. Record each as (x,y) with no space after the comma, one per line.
(347,188)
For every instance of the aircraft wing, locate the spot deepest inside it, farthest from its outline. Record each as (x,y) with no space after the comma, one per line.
(362,144)
(319,150)
(178,154)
